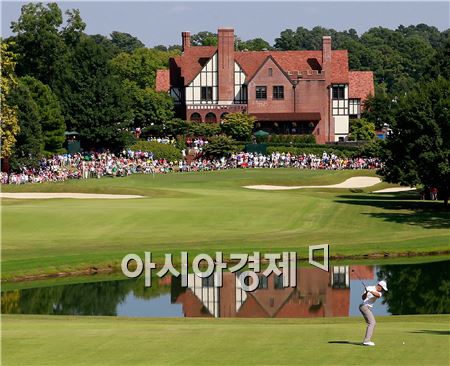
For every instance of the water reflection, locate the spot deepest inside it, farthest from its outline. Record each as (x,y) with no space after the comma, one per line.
(414,289)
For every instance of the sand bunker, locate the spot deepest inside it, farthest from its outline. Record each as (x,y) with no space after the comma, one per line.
(39,196)
(354,182)
(395,190)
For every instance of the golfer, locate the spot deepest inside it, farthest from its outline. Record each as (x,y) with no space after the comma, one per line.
(371,294)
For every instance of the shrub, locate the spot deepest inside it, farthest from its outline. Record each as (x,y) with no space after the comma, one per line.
(160,151)
(203,129)
(219,146)
(238,125)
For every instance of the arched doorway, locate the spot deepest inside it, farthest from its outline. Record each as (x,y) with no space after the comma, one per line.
(211,118)
(195,117)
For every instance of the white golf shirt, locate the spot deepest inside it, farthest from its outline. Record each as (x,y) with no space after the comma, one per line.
(370,298)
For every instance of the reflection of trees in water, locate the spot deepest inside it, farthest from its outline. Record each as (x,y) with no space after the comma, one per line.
(417,288)
(96,298)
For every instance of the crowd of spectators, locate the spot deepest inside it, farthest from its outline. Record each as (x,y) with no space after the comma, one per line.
(97,165)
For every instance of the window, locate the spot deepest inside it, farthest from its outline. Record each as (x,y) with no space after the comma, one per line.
(261,92)
(339,91)
(195,117)
(340,103)
(355,107)
(208,281)
(270,71)
(223,115)
(263,282)
(210,118)
(278,92)
(207,93)
(279,282)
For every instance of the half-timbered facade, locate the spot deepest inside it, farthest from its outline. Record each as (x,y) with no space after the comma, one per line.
(289,92)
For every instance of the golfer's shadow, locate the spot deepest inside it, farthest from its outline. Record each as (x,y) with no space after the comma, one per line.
(346,342)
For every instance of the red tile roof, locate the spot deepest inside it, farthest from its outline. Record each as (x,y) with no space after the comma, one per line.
(162,80)
(192,61)
(296,61)
(195,57)
(361,84)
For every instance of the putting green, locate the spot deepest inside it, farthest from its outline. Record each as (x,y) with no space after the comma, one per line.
(208,212)
(63,340)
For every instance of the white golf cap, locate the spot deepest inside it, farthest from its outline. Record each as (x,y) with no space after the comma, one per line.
(383,285)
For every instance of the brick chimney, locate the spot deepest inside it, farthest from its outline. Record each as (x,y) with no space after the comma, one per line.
(225,49)
(326,56)
(186,40)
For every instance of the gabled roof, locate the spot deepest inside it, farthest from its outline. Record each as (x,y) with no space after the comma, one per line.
(192,61)
(361,84)
(249,78)
(194,58)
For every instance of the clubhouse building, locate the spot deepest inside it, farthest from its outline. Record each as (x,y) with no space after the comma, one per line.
(288,92)
(317,294)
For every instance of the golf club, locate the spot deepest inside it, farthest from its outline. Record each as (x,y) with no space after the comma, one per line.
(359,278)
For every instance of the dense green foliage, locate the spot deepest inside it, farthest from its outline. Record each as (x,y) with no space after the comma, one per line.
(159,151)
(219,146)
(399,58)
(49,115)
(418,149)
(361,130)
(100,87)
(417,289)
(238,125)
(29,141)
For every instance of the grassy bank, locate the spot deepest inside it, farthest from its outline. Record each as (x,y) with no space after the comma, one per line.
(208,212)
(63,340)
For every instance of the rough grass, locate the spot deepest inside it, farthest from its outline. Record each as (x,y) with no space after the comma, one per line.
(208,212)
(64,340)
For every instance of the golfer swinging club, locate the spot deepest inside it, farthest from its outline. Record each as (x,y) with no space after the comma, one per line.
(371,294)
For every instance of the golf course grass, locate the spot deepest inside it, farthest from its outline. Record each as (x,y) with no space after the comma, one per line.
(64,340)
(208,212)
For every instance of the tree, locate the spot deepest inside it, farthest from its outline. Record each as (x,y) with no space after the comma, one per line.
(380,109)
(149,107)
(418,149)
(238,125)
(41,42)
(417,288)
(29,145)
(126,42)
(141,65)
(49,115)
(93,100)
(361,130)
(9,124)
(256,44)
(219,146)
(204,38)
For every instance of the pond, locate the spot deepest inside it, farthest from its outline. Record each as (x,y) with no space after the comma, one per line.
(413,289)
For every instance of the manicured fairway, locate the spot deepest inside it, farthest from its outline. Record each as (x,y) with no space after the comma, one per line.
(62,340)
(211,211)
